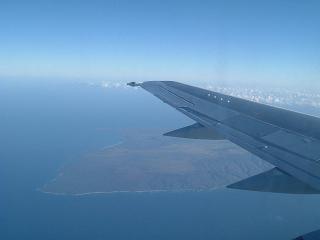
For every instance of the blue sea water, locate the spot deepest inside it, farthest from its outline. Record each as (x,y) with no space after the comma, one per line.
(45,125)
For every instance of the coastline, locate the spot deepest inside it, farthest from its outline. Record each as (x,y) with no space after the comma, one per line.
(120,192)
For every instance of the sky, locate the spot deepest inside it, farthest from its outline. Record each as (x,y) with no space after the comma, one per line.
(228,41)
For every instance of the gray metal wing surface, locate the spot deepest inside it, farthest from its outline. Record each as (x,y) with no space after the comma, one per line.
(288,140)
(310,236)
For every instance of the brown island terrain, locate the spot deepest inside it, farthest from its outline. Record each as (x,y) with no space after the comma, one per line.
(157,163)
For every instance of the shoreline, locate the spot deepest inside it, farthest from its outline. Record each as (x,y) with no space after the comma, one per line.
(123,191)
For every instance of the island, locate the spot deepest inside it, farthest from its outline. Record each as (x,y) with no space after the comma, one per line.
(157,163)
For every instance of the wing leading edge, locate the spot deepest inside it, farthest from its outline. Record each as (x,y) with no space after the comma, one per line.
(288,140)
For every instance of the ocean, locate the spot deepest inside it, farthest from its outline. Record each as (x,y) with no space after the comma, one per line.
(47,124)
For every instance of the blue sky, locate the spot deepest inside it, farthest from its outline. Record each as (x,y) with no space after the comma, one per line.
(227,41)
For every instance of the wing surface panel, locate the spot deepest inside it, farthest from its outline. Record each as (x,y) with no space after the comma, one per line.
(250,126)
(301,145)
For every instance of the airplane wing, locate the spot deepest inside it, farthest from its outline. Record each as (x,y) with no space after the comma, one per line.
(288,140)
(310,236)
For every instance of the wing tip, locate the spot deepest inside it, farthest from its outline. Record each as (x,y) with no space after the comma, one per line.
(134,84)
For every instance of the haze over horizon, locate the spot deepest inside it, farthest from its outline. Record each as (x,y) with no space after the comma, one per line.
(229,42)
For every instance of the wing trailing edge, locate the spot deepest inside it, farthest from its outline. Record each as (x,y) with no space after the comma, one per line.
(195,131)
